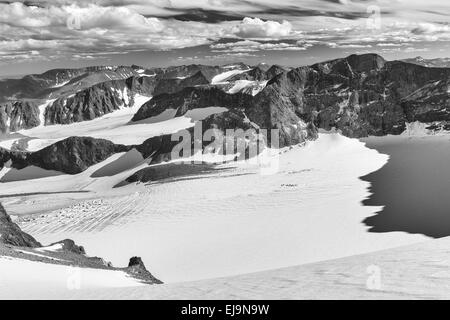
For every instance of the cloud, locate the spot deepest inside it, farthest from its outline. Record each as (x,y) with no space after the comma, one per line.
(430,28)
(257,28)
(245,46)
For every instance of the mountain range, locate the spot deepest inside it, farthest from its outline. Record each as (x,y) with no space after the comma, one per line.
(358,95)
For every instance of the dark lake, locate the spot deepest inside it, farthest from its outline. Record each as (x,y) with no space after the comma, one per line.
(413,187)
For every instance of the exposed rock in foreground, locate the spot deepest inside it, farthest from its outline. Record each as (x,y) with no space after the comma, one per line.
(16,243)
(72,155)
(138,270)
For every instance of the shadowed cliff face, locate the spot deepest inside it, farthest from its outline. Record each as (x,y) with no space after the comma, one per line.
(11,234)
(413,186)
(18,115)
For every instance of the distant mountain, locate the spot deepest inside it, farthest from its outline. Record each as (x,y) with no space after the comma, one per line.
(172,85)
(10,233)
(63,96)
(359,95)
(58,82)
(431,63)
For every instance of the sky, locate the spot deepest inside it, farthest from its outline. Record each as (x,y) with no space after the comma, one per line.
(39,35)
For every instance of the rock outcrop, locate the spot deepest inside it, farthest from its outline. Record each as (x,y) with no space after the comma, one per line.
(65,252)
(137,269)
(11,234)
(18,115)
(89,104)
(359,95)
(191,98)
(430,63)
(74,155)
(267,110)
(169,171)
(70,246)
(428,104)
(171,85)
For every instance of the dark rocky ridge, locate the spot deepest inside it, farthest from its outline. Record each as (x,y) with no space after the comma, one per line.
(431,63)
(187,71)
(18,115)
(87,93)
(359,95)
(190,98)
(259,73)
(258,110)
(72,155)
(48,84)
(137,269)
(99,99)
(89,104)
(70,254)
(169,171)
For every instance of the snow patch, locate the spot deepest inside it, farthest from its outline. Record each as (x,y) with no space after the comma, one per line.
(222,77)
(53,248)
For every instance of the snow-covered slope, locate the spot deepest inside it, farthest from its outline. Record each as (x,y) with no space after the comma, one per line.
(423,275)
(115,127)
(222,77)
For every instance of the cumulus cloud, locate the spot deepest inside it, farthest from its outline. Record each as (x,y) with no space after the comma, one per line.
(257,28)
(430,28)
(74,29)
